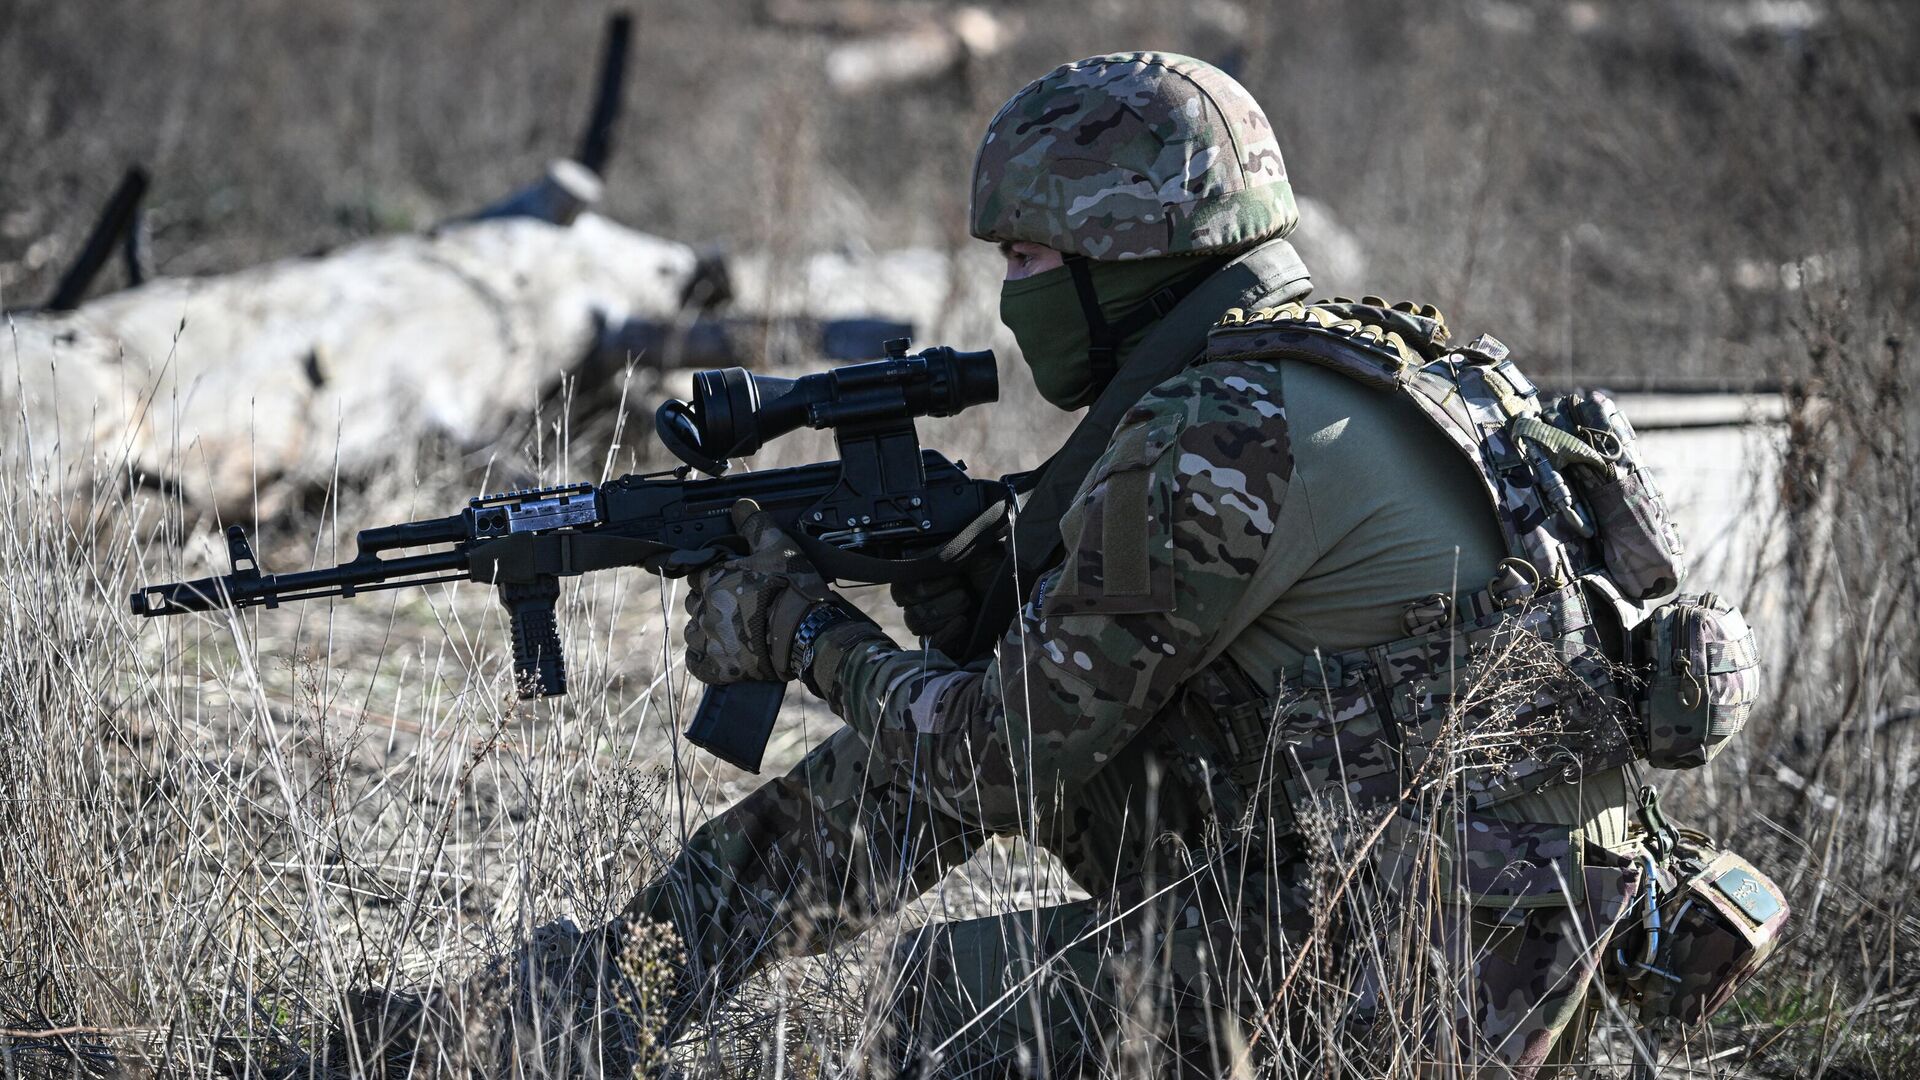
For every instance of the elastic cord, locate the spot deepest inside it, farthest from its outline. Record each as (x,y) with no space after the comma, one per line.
(1103,344)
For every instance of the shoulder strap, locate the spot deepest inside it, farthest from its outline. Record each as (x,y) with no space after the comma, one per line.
(1269,274)
(1473,394)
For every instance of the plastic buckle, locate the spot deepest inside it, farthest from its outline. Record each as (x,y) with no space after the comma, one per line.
(1662,838)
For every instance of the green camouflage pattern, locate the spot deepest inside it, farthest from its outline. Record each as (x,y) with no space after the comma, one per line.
(742,612)
(1080,736)
(1141,979)
(1132,156)
(1486,710)
(1704,677)
(1168,523)
(1365,730)
(936,758)
(1473,393)
(1058,736)
(1517,912)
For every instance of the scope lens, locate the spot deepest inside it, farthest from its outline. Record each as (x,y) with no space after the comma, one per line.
(975,380)
(725,402)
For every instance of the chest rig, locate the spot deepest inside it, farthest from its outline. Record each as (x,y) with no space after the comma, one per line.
(1506,690)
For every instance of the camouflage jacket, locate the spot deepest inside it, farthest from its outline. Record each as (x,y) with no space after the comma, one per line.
(1166,525)
(1256,509)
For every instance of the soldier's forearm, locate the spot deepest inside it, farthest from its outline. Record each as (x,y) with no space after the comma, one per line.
(839,648)
(878,687)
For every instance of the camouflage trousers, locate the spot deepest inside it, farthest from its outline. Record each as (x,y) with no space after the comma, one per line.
(1177,967)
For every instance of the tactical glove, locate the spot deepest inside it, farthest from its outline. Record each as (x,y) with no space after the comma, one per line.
(941,610)
(741,613)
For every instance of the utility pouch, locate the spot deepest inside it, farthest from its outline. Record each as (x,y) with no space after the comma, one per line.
(1339,745)
(1701,666)
(1638,543)
(1700,934)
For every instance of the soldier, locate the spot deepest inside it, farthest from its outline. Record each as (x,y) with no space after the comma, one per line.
(1223,537)
(1294,662)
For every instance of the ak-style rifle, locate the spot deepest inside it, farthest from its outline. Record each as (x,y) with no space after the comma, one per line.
(886,511)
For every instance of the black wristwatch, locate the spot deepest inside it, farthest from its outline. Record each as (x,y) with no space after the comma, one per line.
(807,635)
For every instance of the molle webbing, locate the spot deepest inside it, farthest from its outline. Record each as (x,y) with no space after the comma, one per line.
(1356,730)
(1499,693)
(1472,393)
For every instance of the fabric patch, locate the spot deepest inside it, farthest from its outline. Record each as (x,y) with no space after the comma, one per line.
(1119,533)
(1755,898)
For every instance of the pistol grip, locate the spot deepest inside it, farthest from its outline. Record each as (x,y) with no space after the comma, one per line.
(733,722)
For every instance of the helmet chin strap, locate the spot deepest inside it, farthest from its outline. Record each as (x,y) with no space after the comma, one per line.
(1105,338)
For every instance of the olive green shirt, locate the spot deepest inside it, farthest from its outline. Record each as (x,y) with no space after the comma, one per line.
(1381,508)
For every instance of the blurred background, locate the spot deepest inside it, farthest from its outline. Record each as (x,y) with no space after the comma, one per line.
(1640,186)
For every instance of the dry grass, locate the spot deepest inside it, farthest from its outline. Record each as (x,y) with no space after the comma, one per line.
(216,828)
(212,829)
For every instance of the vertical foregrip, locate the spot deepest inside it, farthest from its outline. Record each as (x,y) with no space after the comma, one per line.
(539,669)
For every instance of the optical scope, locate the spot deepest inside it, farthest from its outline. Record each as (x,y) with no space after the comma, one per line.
(734,412)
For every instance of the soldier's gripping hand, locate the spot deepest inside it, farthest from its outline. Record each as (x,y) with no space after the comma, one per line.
(742,612)
(941,610)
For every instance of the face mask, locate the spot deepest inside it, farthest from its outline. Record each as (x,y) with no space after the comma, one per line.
(1043,311)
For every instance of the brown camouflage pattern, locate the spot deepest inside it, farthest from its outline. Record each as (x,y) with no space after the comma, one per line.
(1141,979)
(1704,678)
(1518,913)
(1197,470)
(1719,918)
(1473,394)
(1132,156)
(1638,541)
(937,758)
(1718,940)
(1482,712)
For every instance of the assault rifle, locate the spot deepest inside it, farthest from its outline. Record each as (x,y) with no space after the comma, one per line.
(886,511)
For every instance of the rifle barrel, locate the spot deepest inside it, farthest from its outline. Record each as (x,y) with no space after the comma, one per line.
(364,574)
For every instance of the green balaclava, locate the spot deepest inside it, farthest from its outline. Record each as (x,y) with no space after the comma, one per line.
(1071,358)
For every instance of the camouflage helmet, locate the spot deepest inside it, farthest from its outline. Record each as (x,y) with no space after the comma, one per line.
(1132,156)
